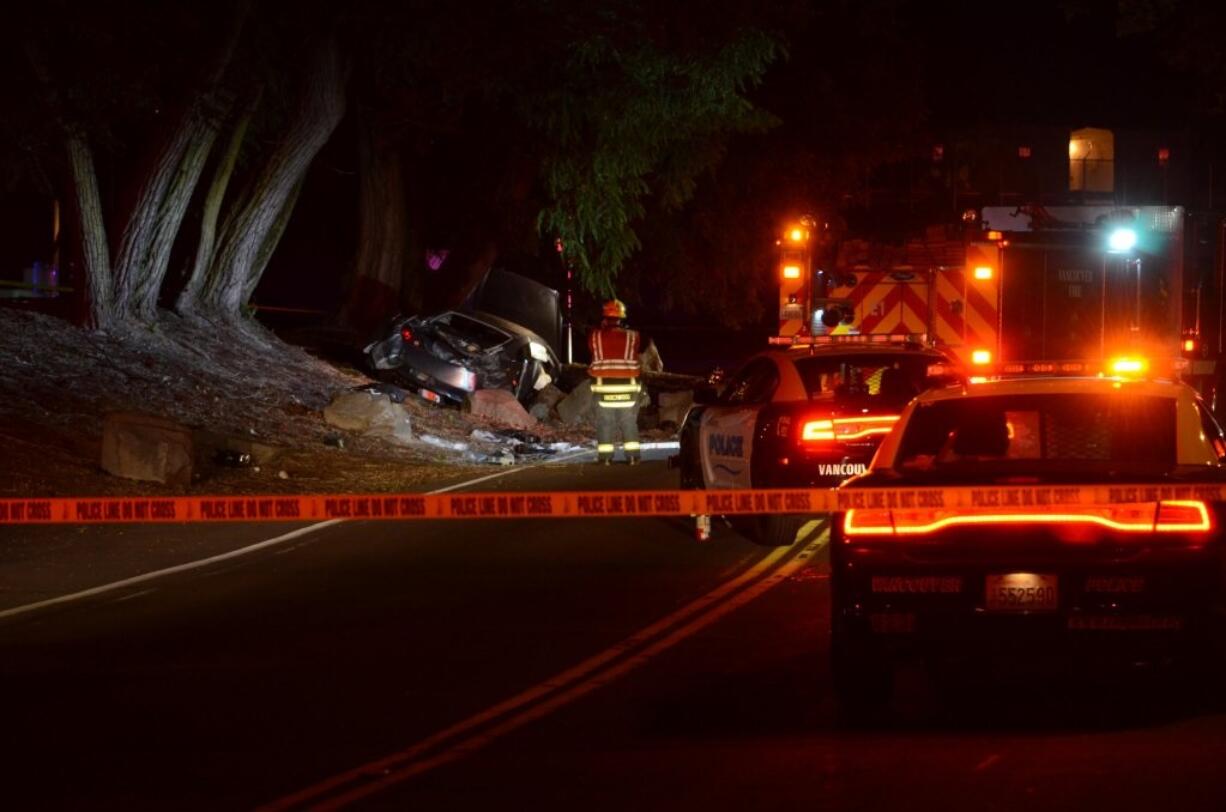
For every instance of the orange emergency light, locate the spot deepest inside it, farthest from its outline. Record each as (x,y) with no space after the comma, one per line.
(1126,365)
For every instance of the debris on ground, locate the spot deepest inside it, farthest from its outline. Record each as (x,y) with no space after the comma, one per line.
(439,442)
(252,407)
(395,393)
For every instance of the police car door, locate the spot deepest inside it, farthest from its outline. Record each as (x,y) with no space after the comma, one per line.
(726,431)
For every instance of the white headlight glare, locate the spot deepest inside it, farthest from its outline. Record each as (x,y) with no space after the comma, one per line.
(539,351)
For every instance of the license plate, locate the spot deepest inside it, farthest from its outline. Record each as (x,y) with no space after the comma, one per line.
(1021,592)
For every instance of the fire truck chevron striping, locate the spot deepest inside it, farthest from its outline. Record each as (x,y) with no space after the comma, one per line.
(1019,282)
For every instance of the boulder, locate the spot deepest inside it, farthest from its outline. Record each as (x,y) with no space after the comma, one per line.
(577,407)
(541,411)
(499,406)
(673,407)
(549,396)
(147,447)
(369,413)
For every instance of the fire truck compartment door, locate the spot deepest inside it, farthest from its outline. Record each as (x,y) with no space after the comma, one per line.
(1053,304)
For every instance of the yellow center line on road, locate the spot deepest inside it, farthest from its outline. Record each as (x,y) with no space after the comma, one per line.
(557,691)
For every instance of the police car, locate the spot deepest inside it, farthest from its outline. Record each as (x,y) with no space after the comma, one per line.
(806,416)
(1048,571)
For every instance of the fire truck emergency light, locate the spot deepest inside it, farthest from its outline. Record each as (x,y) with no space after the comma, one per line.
(983,272)
(1122,240)
(981,357)
(796,235)
(791,271)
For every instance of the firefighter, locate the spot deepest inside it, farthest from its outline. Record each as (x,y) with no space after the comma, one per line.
(615,367)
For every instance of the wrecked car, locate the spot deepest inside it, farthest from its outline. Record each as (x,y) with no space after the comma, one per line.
(445,357)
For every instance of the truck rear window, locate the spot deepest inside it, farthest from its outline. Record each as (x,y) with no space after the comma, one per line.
(1042,433)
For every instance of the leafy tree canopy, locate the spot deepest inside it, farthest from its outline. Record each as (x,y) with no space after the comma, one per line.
(634,112)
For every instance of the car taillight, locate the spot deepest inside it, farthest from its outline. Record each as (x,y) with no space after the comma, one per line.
(1189,516)
(1179,516)
(846,428)
(868,522)
(817,431)
(406,335)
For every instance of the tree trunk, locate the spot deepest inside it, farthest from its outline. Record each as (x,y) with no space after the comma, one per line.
(189,298)
(272,239)
(173,212)
(155,219)
(383,232)
(155,223)
(94,249)
(246,232)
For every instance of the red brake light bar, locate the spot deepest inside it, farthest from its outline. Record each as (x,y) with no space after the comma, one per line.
(1171,516)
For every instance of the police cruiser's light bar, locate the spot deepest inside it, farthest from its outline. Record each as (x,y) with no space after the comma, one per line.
(1118,367)
(872,338)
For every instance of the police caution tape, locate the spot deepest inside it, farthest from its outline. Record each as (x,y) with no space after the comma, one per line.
(576,504)
(499,505)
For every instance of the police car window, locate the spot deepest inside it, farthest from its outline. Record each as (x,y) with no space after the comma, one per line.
(755,384)
(1043,433)
(885,380)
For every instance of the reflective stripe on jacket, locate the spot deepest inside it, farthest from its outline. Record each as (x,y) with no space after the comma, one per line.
(615,353)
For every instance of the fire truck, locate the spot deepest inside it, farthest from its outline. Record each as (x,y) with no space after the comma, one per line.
(1075,286)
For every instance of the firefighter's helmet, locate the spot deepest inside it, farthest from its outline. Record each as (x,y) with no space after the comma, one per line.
(614,309)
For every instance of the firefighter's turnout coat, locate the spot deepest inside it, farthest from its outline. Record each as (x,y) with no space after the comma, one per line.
(616,369)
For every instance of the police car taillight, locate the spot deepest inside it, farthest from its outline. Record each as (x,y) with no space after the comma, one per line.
(817,431)
(1173,516)
(847,428)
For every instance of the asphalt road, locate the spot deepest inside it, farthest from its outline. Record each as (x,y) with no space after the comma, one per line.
(550,664)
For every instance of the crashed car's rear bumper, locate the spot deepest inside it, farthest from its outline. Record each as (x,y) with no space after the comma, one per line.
(450,380)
